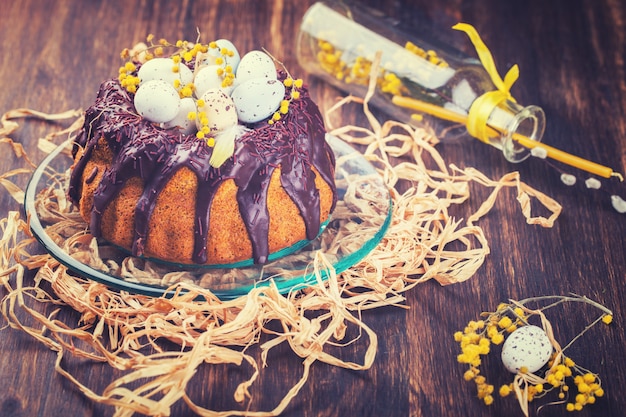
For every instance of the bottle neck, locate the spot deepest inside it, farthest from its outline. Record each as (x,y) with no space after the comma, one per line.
(513,126)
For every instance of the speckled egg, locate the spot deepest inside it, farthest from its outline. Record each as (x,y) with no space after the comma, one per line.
(258,99)
(163,69)
(528,346)
(255,64)
(157,101)
(181,121)
(233,60)
(207,78)
(219,110)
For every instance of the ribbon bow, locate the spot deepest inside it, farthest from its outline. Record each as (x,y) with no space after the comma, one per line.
(483,106)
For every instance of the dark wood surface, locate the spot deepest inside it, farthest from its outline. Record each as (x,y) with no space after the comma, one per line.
(571,55)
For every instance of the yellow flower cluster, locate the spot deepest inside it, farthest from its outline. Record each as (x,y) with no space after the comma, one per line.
(562,373)
(533,391)
(391,84)
(430,55)
(204,129)
(184,51)
(126,78)
(358,72)
(589,389)
(476,339)
(225,72)
(557,374)
(330,60)
(184,90)
(588,384)
(294,85)
(187,50)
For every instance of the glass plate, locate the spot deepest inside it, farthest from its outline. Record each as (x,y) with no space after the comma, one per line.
(357,225)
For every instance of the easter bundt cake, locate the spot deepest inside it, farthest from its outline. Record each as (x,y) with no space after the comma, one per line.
(203,157)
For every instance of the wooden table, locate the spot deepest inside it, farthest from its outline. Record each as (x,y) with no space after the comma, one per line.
(571,57)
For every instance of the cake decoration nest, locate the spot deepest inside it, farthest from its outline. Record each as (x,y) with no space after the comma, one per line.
(133,332)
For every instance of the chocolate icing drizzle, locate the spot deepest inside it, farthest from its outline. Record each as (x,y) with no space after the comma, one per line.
(143,149)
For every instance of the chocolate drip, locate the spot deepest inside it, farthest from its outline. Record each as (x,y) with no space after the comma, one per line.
(299,182)
(142,149)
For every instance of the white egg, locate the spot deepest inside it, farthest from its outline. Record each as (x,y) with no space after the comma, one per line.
(255,64)
(528,346)
(163,69)
(157,101)
(213,53)
(181,121)
(258,99)
(219,110)
(207,79)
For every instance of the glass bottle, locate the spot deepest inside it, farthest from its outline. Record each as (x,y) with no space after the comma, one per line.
(417,74)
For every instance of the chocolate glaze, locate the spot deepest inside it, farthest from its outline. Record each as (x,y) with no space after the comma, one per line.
(141,149)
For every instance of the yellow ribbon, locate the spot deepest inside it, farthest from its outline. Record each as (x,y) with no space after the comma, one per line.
(478,116)
(483,106)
